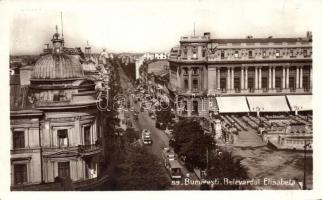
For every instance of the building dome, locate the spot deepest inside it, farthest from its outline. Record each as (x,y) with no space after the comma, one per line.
(57,66)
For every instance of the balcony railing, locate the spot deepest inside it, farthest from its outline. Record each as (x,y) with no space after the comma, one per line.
(90,148)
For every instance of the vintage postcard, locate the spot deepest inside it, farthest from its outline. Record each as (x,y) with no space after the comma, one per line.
(203,96)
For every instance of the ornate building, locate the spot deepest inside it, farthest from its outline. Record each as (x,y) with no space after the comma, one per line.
(55,122)
(206,73)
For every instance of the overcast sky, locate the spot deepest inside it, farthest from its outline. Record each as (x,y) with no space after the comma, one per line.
(141,26)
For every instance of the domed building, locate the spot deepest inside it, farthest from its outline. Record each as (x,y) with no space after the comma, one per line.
(58,137)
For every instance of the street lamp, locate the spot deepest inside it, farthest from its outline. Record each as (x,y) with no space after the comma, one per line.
(306,145)
(296,109)
(258,109)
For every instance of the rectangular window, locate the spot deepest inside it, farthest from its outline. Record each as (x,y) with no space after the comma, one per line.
(306,83)
(222,83)
(278,83)
(87,135)
(277,53)
(292,83)
(237,83)
(18,139)
(62,137)
(264,53)
(250,82)
(305,53)
(20,173)
(63,169)
(264,83)
(195,84)
(186,84)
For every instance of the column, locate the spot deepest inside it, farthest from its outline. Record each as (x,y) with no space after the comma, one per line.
(301,77)
(242,78)
(287,77)
(297,77)
(273,78)
(189,79)
(260,78)
(214,81)
(232,79)
(228,79)
(283,78)
(311,77)
(178,78)
(218,78)
(205,78)
(246,78)
(256,78)
(269,78)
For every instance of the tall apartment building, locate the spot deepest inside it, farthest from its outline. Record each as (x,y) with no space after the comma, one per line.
(207,72)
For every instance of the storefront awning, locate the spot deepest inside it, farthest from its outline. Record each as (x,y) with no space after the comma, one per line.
(236,104)
(300,102)
(268,104)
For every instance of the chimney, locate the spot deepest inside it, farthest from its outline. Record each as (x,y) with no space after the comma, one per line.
(309,35)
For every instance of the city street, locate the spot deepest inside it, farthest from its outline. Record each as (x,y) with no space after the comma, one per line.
(159,138)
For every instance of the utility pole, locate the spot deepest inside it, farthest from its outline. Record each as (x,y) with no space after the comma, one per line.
(194,29)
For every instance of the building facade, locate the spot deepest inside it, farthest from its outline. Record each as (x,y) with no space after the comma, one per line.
(203,69)
(55,125)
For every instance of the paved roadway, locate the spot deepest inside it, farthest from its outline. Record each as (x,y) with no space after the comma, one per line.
(159,138)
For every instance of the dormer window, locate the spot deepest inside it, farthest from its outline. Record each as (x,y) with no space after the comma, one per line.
(236,54)
(194,52)
(195,71)
(222,55)
(185,52)
(250,53)
(204,52)
(185,71)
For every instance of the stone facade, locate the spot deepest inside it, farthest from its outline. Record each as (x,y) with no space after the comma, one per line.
(203,67)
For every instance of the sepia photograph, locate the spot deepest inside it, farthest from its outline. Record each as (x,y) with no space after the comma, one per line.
(163,96)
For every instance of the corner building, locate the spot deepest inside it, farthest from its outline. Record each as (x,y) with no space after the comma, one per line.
(55,123)
(205,71)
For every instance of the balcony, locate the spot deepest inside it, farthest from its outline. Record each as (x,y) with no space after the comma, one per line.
(89,149)
(24,150)
(82,149)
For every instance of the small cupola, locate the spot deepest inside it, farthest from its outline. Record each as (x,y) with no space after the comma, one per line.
(58,43)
